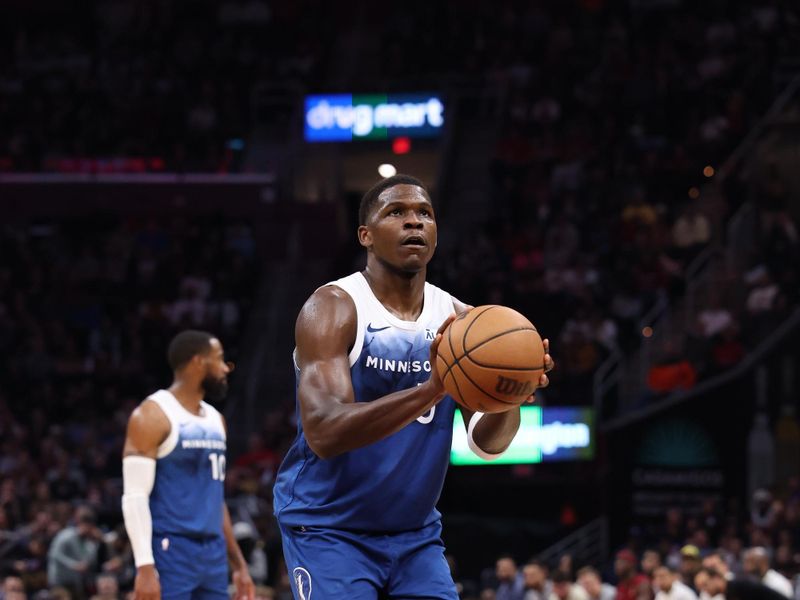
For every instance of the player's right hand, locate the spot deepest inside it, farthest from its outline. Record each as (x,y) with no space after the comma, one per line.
(435,382)
(146,585)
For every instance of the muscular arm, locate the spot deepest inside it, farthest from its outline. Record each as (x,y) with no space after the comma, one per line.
(494,432)
(333,422)
(148,427)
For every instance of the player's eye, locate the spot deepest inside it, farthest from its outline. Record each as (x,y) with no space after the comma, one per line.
(425,212)
(395,212)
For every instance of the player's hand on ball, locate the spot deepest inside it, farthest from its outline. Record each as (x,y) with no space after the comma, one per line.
(435,381)
(245,589)
(549,363)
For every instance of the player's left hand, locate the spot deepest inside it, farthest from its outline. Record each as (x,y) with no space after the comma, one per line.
(549,364)
(245,589)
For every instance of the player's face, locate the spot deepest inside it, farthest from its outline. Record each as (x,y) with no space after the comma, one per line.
(401,229)
(215,381)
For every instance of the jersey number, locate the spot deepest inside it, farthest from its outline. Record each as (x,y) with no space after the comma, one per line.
(217,466)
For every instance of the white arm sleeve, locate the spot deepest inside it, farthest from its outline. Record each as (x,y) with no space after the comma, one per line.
(471,441)
(138,476)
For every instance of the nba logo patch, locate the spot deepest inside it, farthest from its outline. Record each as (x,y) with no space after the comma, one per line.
(302,580)
(430,334)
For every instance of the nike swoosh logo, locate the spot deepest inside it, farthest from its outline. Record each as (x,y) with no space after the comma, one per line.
(372,329)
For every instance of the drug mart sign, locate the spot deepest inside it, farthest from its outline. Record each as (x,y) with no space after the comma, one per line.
(346,117)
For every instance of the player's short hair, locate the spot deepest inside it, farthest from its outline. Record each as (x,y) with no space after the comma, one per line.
(371,197)
(186,345)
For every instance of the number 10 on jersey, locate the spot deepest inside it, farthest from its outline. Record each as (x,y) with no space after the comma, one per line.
(217,466)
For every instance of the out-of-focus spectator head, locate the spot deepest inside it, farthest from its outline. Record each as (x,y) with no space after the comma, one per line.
(13,588)
(562,584)
(506,568)
(625,564)
(714,583)
(756,561)
(107,587)
(716,562)
(84,521)
(663,578)
(535,574)
(701,581)
(59,593)
(565,564)
(488,594)
(651,560)
(762,499)
(690,561)
(589,579)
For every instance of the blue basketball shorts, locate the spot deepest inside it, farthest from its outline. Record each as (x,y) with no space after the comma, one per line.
(333,564)
(191,569)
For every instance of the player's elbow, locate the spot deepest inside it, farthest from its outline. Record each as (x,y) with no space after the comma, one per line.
(322,447)
(320,441)
(322,432)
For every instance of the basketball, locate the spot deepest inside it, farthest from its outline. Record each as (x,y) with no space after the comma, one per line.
(490,359)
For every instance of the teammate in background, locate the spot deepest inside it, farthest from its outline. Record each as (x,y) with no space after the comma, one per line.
(356,494)
(173,469)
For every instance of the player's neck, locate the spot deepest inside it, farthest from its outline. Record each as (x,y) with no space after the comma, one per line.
(402,294)
(188,395)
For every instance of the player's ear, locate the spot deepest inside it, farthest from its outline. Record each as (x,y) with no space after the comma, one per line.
(364,236)
(198,361)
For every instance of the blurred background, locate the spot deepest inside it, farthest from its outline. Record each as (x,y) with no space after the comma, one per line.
(623,172)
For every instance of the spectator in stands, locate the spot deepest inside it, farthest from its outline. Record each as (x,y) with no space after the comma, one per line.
(764,511)
(106,588)
(669,586)
(630,584)
(589,579)
(565,589)
(73,554)
(756,565)
(691,231)
(537,584)
(715,317)
(738,589)
(651,560)
(690,563)
(511,584)
(13,588)
(714,560)
(672,372)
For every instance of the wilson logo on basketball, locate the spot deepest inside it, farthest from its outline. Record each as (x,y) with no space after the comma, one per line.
(511,387)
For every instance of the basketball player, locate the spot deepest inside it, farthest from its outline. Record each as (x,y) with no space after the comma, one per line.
(356,494)
(173,469)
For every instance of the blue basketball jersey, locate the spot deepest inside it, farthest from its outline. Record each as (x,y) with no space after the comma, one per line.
(393,484)
(188,492)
